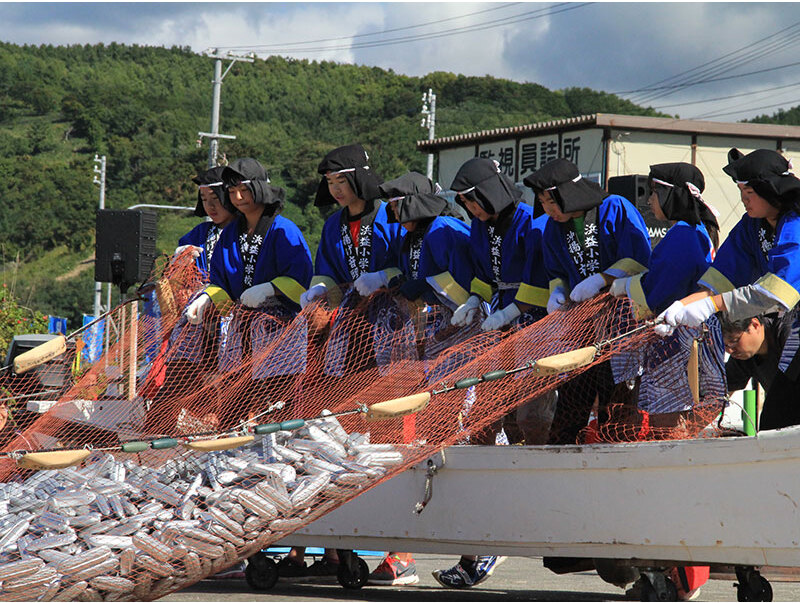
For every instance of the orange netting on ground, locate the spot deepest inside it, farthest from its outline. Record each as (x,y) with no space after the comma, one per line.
(148,509)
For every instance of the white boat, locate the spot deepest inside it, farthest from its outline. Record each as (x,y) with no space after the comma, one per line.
(732,501)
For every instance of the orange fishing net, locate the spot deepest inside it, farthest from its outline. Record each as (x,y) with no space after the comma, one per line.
(150,507)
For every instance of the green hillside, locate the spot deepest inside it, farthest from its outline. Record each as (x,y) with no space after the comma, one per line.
(142,107)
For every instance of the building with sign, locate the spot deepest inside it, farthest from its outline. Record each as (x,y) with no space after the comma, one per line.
(605,146)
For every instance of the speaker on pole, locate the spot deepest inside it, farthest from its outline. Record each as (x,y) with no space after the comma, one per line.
(634,188)
(125,246)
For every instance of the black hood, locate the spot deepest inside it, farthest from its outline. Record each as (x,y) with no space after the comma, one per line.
(257,181)
(678,187)
(568,188)
(481,179)
(212,177)
(420,206)
(407,184)
(768,173)
(352,162)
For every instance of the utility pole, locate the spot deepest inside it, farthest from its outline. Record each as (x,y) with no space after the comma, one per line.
(99,169)
(429,121)
(214,135)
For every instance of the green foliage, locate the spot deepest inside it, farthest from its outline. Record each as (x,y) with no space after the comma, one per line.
(143,107)
(16,319)
(790,117)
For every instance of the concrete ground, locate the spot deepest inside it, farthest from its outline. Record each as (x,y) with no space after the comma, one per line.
(518,579)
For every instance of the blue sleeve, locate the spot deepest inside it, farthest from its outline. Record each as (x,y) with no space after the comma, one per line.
(625,232)
(328,262)
(387,241)
(557,261)
(197,236)
(221,262)
(737,262)
(675,265)
(784,257)
(292,255)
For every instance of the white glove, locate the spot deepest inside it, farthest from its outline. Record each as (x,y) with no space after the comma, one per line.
(313,293)
(587,288)
(619,288)
(557,299)
(465,313)
(690,315)
(666,319)
(257,295)
(501,318)
(194,311)
(369,282)
(196,251)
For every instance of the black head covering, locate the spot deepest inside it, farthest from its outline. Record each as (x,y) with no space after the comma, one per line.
(568,188)
(352,162)
(407,184)
(678,187)
(254,175)
(212,177)
(481,179)
(419,206)
(768,173)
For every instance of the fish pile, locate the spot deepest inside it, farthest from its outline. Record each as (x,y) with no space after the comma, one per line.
(118,530)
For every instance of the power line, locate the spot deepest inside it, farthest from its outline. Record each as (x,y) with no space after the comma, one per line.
(719,98)
(376,33)
(655,85)
(729,66)
(536,14)
(741,110)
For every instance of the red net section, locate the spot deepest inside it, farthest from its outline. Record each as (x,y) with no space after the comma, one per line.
(190,447)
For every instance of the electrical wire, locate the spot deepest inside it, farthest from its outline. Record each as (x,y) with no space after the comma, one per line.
(526,16)
(374,33)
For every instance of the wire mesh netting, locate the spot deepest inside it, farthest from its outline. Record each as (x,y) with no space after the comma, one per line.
(191,447)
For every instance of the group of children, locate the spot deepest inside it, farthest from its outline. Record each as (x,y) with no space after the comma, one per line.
(510,266)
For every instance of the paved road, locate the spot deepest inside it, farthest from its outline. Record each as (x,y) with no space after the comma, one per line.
(518,579)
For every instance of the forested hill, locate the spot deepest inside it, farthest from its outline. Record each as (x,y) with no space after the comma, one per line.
(142,107)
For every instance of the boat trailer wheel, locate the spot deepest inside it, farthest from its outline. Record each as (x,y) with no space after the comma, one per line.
(261,572)
(353,570)
(752,586)
(658,587)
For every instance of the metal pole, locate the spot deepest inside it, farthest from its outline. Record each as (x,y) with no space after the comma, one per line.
(100,169)
(429,122)
(212,149)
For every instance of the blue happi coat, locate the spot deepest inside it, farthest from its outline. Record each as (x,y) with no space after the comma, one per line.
(745,258)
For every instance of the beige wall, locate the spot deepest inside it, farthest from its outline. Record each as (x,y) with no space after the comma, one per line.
(721,191)
(449,162)
(635,152)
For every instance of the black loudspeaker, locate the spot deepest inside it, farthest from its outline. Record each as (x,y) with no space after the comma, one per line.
(634,189)
(125,246)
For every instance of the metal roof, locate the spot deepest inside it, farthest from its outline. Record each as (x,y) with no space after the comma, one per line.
(610,120)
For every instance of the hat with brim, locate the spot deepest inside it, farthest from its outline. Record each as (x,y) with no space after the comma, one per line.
(252,174)
(768,173)
(481,180)
(352,162)
(571,191)
(420,206)
(212,179)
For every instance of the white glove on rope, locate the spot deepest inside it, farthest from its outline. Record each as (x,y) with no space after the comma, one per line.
(369,282)
(666,319)
(557,299)
(465,313)
(501,318)
(196,251)
(194,311)
(619,288)
(257,295)
(313,293)
(587,288)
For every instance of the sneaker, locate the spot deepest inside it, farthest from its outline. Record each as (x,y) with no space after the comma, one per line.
(393,572)
(323,568)
(290,569)
(468,573)
(234,572)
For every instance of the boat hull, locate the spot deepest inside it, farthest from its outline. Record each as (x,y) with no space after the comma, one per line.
(723,501)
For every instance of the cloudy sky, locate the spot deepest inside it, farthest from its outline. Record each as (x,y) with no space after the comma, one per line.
(720,61)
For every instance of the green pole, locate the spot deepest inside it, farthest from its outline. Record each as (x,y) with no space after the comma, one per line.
(749,412)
